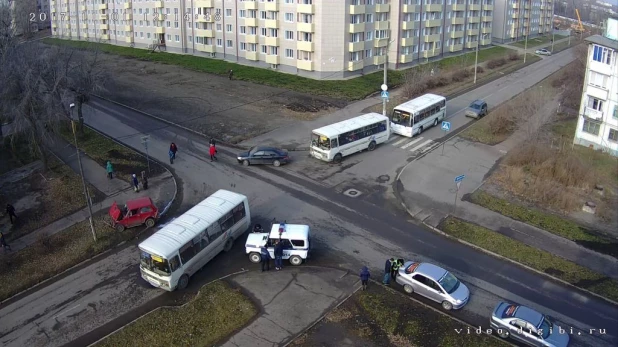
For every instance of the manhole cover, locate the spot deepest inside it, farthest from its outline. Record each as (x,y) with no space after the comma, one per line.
(353,193)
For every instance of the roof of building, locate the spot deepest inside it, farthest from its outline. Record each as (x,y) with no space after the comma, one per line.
(603,41)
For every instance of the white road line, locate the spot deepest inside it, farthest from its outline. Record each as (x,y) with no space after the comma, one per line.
(400,142)
(66,311)
(420,146)
(393,137)
(411,143)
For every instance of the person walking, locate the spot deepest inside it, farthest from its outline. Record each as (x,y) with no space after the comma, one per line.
(364,276)
(135,183)
(265,259)
(172,153)
(212,142)
(213,150)
(3,243)
(387,271)
(144,180)
(279,255)
(10,210)
(110,170)
(230,74)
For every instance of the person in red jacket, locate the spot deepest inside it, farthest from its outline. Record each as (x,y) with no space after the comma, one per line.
(213,151)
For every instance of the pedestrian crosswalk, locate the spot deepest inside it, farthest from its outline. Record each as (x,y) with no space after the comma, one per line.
(415,144)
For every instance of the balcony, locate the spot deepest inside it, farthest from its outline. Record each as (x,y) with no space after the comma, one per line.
(302,8)
(455,48)
(272,59)
(205,48)
(433,8)
(272,6)
(515,15)
(409,25)
(104,27)
(383,8)
(128,16)
(526,15)
(304,65)
(592,113)
(355,65)
(474,7)
(410,8)
(408,41)
(271,23)
(102,6)
(487,18)
(159,30)
(380,42)
(459,7)
(379,59)
(204,19)
(457,34)
(53,3)
(254,56)
(458,20)
(54,25)
(251,39)
(433,23)
(356,46)
(431,38)
(204,3)
(104,37)
(382,25)
(357,9)
(127,5)
(208,33)
(430,54)
(250,22)
(128,28)
(474,20)
(472,44)
(486,30)
(357,28)
(158,4)
(488,7)
(103,16)
(271,41)
(128,39)
(527,6)
(305,27)
(406,58)
(472,32)
(305,46)
(83,25)
(84,36)
(485,42)
(81,8)
(516,6)
(251,5)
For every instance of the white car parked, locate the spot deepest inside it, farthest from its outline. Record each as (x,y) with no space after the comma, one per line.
(542,52)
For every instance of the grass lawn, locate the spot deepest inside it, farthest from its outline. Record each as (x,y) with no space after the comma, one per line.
(101,149)
(532,257)
(467,59)
(213,314)
(537,41)
(52,255)
(561,46)
(379,315)
(351,89)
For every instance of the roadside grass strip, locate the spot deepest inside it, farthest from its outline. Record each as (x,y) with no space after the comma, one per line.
(217,311)
(537,259)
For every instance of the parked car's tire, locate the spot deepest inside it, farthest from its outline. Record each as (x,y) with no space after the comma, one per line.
(119,228)
(296,260)
(245,162)
(408,288)
(447,305)
(277,163)
(150,222)
(255,258)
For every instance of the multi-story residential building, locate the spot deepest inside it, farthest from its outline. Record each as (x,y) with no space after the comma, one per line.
(313,38)
(597,125)
(516,19)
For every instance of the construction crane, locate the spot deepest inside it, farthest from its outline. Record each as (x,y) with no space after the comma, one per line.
(579,27)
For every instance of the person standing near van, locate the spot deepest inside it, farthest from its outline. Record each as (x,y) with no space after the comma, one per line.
(265,258)
(387,271)
(110,170)
(279,255)
(395,269)
(364,276)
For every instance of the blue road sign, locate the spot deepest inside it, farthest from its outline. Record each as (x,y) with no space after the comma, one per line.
(460,178)
(384,94)
(446,126)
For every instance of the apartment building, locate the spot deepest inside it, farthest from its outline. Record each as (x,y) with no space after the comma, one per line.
(323,39)
(516,19)
(597,125)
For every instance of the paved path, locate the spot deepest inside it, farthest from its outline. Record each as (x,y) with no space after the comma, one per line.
(531,49)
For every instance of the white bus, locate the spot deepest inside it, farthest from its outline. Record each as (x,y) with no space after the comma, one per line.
(335,141)
(171,255)
(416,115)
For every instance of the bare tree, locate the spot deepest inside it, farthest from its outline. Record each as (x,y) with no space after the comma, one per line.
(22,13)
(415,80)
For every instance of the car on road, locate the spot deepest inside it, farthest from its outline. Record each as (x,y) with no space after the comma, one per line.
(434,283)
(477,109)
(542,52)
(134,213)
(264,155)
(527,325)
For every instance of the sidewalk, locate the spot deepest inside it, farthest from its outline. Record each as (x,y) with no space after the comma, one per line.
(429,193)
(531,49)
(161,190)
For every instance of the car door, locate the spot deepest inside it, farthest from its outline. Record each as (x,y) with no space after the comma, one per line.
(132,219)
(270,157)
(484,110)
(422,286)
(257,157)
(435,291)
(516,328)
(144,213)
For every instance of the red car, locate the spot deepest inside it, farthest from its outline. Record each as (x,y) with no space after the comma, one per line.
(135,213)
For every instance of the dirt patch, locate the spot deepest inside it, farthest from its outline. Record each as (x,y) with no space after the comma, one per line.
(42,198)
(231,110)
(381,317)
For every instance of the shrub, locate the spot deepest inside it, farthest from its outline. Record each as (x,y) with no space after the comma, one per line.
(502,122)
(442,81)
(514,56)
(460,75)
(494,63)
(479,69)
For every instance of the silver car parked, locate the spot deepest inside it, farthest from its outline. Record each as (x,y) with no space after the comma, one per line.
(434,283)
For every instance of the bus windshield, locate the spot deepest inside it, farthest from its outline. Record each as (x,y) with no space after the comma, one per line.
(319,141)
(401,118)
(154,263)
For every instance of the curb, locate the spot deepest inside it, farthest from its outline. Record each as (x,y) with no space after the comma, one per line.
(165,307)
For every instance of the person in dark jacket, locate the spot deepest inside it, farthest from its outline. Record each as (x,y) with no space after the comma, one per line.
(10,210)
(3,243)
(265,259)
(387,271)
(279,256)
(364,276)
(135,183)
(144,180)
(173,149)
(395,268)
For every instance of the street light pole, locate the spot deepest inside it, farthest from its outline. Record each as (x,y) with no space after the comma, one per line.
(526,47)
(81,172)
(476,60)
(384,82)
(553,28)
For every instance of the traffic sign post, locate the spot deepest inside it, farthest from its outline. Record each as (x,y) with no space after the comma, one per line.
(458,180)
(446,127)
(145,143)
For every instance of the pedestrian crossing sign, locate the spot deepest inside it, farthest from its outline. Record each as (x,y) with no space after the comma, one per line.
(446,126)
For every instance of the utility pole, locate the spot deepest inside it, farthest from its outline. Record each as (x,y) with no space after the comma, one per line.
(384,82)
(81,172)
(526,47)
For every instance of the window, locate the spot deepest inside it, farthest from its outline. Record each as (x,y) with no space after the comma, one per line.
(219,27)
(243,30)
(146,209)
(242,13)
(239,212)
(298,243)
(289,53)
(228,12)
(289,17)
(228,28)
(595,104)
(187,252)
(204,241)
(613,135)
(602,54)
(598,80)
(226,222)
(264,49)
(243,46)
(591,127)
(214,231)
(220,42)
(615,112)
(289,35)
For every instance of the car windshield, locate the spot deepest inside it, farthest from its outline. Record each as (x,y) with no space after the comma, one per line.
(449,282)
(320,141)
(401,118)
(476,106)
(156,264)
(546,327)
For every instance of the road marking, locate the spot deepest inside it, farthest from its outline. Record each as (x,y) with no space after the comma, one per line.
(420,146)
(66,311)
(400,142)
(393,137)
(411,143)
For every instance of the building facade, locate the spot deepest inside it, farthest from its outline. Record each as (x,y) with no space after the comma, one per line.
(324,39)
(597,125)
(514,19)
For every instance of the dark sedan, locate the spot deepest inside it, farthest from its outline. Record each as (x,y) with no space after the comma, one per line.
(264,155)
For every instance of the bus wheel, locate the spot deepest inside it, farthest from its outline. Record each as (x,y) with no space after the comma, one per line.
(228,245)
(372,146)
(338,158)
(435,122)
(296,260)
(420,130)
(183,282)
